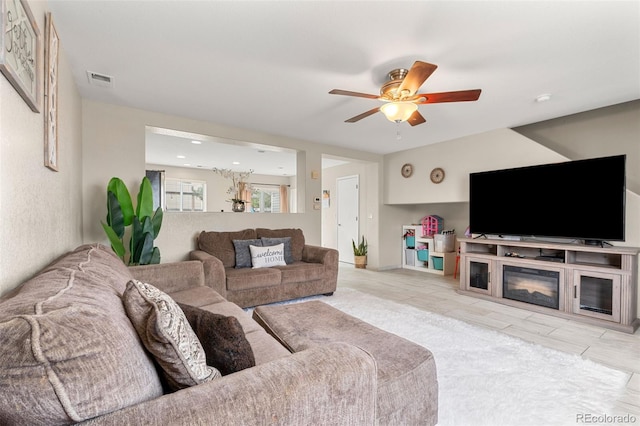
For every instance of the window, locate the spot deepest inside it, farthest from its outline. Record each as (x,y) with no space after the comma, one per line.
(185,196)
(265,199)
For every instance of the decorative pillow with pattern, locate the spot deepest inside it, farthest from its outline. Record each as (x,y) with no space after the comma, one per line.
(167,335)
(266,257)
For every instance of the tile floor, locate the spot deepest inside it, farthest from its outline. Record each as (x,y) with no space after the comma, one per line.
(437,294)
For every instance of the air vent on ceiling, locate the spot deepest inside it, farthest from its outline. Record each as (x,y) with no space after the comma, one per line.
(100,80)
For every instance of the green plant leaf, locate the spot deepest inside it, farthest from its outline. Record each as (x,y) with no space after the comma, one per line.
(147,249)
(155,256)
(116,242)
(117,186)
(157,221)
(135,245)
(145,199)
(141,241)
(115,218)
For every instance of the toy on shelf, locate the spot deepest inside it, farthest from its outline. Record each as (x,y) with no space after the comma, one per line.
(431,225)
(410,238)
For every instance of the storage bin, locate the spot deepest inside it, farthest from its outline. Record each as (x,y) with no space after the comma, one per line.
(444,243)
(410,257)
(411,242)
(423,255)
(437,263)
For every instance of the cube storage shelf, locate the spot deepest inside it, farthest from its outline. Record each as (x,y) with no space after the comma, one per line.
(425,259)
(597,285)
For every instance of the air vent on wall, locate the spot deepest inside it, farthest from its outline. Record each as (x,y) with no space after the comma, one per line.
(100,80)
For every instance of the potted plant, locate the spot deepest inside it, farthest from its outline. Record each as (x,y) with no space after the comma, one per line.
(145,223)
(239,187)
(360,253)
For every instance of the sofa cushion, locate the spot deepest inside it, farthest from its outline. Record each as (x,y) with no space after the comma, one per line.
(297,239)
(245,279)
(222,338)
(243,254)
(68,352)
(288,255)
(220,244)
(301,272)
(166,333)
(266,257)
(197,296)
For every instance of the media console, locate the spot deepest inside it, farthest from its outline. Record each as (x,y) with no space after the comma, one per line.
(598,285)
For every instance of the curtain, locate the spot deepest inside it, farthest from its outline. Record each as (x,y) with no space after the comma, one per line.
(284,199)
(244,192)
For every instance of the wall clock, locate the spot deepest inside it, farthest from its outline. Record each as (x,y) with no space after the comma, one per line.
(406,170)
(437,175)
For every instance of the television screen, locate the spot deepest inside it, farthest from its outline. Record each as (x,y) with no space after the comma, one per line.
(582,199)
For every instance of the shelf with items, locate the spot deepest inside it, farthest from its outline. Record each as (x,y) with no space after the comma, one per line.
(419,254)
(593,284)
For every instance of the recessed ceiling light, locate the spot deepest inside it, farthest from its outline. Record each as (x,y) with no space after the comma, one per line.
(181,156)
(196,142)
(235,163)
(187,165)
(543,98)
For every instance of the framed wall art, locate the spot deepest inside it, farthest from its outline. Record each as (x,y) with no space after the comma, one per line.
(51,95)
(20,46)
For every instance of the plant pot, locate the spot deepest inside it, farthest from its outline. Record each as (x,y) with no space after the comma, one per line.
(360,261)
(238,206)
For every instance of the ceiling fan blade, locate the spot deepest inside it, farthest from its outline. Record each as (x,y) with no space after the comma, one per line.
(363,115)
(417,75)
(349,93)
(458,96)
(416,118)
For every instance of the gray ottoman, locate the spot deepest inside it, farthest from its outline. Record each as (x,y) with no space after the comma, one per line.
(407,381)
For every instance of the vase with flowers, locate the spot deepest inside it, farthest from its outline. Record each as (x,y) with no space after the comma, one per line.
(240,189)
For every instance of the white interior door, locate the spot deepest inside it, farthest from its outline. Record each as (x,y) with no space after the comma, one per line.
(348,218)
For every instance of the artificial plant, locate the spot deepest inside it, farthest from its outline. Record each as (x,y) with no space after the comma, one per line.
(144,222)
(360,249)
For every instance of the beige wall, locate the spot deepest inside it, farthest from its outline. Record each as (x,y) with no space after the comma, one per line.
(40,210)
(410,199)
(114,143)
(605,131)
(369,206)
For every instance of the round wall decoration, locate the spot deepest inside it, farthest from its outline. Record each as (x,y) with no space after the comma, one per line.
(406,170)
(437,175)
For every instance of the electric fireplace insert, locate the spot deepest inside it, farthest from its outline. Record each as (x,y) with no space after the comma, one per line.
(535,286)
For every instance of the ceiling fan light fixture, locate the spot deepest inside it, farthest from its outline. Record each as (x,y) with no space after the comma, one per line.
(398,111)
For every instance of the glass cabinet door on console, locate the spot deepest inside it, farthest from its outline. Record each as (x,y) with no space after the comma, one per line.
(597,295)
(478,275)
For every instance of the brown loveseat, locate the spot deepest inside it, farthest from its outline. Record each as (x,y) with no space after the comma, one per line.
(312,270)
(69,353)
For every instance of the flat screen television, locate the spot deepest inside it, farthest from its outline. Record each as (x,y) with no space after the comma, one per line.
(583,200)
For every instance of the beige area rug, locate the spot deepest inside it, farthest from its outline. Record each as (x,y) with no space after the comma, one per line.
(489,378)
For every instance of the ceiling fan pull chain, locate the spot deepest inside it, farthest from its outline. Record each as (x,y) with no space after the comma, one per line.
(398,135)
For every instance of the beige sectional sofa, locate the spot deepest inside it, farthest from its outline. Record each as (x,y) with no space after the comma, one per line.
(312,270)
(70,352)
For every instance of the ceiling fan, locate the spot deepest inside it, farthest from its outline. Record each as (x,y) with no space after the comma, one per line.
(401,97)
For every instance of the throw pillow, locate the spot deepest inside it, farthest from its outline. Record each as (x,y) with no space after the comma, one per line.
(288,254)
(167,335)
(265,257)
(225,345)
(243,254)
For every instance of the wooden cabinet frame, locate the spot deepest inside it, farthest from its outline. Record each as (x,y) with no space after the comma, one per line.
(619,265)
